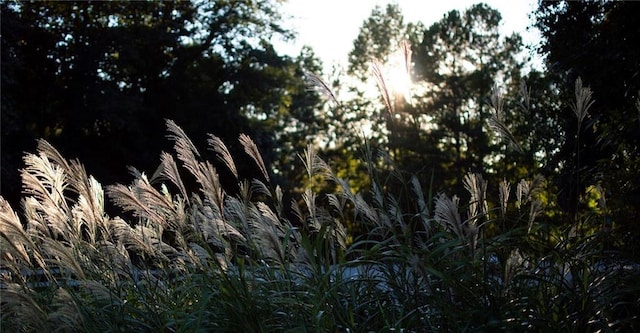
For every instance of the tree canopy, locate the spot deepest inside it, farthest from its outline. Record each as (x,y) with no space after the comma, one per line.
(597,41)
(439,129)
(97,79)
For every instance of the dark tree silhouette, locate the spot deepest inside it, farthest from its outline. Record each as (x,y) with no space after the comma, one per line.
(98,79)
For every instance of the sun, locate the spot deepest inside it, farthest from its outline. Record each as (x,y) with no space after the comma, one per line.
(397,74)
(399,78)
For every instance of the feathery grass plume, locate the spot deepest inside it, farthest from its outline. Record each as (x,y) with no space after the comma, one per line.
(46,206)
(345,188)
(47,220)
(513,265)
(405,48)
(64,256)
(211,232)
(131,239)
(157,201)
(273,233)
(244,191)
(88,188)
(367,213)
(137,174)
(101,293)
(534,210)
(68,316)
(504,189)
(380,211)
(221,236)
(52,154)
(89,211)
(252,150)
(115,255)
(78,180)
(14,240)
(496,120)
(198,254)
(155,247)
(234,223)
(340,233)
(338,204)
(37,225)
(45,181)
(309,159)
(255,225)
(216,144)
(211,188)
(394,214)
(583,101)
(133,199)
(169,171)
(383,86)
(205,173)
(184,144)
(522,192)
(270,245)
(271,217)
(89,208)
(525,190)
(477,187)
(185,149)
(279,203)
(259,188)
(497,102)
(309,198)
(317,84)
(22,311)
(37,218)
(416,188)
(448,216)
(297,212)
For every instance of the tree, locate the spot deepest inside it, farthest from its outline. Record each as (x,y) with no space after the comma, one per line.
(460,59)
(97,79)
(597,41)
(454,65)
(379,36)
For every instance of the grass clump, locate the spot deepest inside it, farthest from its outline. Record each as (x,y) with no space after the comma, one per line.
(243,259)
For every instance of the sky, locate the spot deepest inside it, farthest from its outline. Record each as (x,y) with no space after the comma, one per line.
(331,26)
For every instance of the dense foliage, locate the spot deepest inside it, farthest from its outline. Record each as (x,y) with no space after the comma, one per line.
(598,41)
(436,126)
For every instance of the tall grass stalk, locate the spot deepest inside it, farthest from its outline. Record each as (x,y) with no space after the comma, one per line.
(580,108)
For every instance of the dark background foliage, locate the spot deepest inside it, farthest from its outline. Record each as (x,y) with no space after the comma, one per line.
(599,42)
(98,79)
